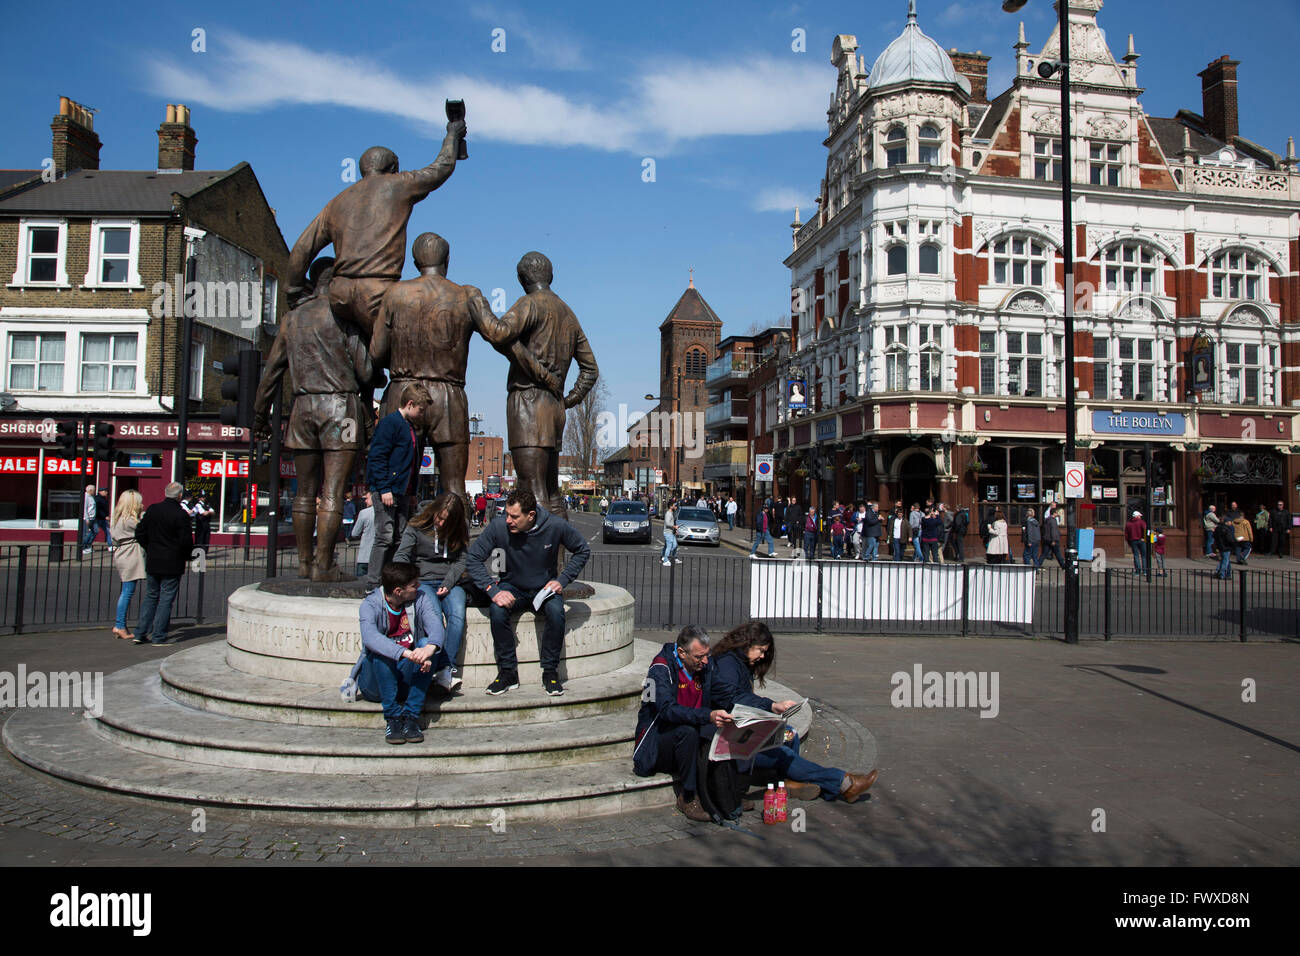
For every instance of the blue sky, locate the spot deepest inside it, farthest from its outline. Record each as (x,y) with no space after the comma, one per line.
(561,121)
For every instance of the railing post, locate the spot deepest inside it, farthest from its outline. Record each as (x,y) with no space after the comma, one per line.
(672,590)
(198,615)
(965,600)
(1241,607)
(1106,601)
(819,597)
(20,602)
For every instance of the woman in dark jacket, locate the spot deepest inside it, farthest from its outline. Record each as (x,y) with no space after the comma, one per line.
(437,540)
(748,652)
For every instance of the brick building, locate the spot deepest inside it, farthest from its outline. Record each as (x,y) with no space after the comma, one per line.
(101,266)
(927,292)
(671,438)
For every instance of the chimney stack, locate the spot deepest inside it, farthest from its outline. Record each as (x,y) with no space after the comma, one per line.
(176,140)
(975,67)
(1219,98)
(75,144)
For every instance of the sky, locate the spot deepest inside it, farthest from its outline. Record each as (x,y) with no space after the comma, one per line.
(628,142)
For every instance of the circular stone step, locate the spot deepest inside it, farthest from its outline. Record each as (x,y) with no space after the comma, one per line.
(203,679)
(317,640)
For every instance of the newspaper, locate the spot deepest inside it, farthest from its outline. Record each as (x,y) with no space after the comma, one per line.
(753,732)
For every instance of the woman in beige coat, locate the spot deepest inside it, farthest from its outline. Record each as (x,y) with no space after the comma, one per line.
(999,547)
(128,558)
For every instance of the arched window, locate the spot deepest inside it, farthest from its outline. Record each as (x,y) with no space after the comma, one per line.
(896,147)
(1131,267)
(931,365)
(1020,260)
(695,363)
(1238,274)
(929,259)
(896,260)
(929,143)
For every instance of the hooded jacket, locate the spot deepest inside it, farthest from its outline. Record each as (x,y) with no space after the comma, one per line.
(530,558)
(661,711)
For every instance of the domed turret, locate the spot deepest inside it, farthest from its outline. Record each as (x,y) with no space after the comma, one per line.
(914,57)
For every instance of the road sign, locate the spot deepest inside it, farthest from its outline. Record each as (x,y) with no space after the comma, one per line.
(426,462)
(629,485)
(763,467)
(1074,479)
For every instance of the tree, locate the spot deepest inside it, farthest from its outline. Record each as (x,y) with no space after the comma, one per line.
(581,427)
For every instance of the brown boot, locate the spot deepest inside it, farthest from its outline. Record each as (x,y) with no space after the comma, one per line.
(858,785)
(693,810)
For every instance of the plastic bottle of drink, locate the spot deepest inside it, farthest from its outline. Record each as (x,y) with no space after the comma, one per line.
(780,802)
(769,804)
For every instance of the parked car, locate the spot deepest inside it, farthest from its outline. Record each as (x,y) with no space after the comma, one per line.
(699,525)
(627,521)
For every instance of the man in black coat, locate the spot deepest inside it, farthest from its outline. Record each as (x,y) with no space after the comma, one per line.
(793,523)
(1279,522)
(164,534)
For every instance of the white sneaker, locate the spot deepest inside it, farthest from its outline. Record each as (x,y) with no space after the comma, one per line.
(666,563)
(85,550)
(112,547)
(448,681)
(677,560)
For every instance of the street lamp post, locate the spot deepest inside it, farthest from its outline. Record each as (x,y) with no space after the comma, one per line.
(1067,251)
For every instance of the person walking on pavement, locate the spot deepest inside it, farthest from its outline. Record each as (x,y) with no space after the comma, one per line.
(1135,533)
(164,534)
(810,535)
(1031,537)
(1209,521)
(763,532)
(999,548)
(793,523)
(957,534)
(731,513)
(670,535)
(1225,543)
(1245,536)
(128,559)
(88,518)
(1279,523)
(1051,538)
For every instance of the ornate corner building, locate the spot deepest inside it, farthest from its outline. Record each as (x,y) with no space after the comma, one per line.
(928,294)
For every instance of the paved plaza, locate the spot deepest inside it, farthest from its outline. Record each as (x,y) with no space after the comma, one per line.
(1132,754)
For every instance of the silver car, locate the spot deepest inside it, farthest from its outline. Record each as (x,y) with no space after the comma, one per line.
(699,525)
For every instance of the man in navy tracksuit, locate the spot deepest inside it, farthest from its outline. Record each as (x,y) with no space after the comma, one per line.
(675,717)
(391,469)
(530,542)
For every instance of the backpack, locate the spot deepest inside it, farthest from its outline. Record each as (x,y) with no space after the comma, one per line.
(722,788)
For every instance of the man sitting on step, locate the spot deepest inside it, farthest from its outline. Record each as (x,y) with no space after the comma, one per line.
(675,717)
(401,634)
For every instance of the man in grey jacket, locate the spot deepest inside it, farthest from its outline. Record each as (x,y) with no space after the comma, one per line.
(523,545)
(400,636)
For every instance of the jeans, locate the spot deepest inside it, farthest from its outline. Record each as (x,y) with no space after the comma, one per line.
(503,635)
(399,685)
(1031,555)
(92,530)
(870,549)
(1054,549)
(837,547)
(451,608)
(1209,543)
(930,551)
(679,747)
(1139,556)
(917,553)
(897,546)
(123,602)
(784,763)
(670,544)
(759,538)
(1243,551)
(390,522)
(731,522)
(1224,570)
(810,545)
(156,609)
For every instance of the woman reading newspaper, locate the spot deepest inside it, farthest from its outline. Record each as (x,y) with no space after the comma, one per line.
(747,653)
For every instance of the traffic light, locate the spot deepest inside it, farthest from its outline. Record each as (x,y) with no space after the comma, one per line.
(68,441)
(262,453)
(105,444)
(241,388)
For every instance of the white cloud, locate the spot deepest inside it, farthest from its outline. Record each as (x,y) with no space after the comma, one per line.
(779,199)
(667,104)
(552,48)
